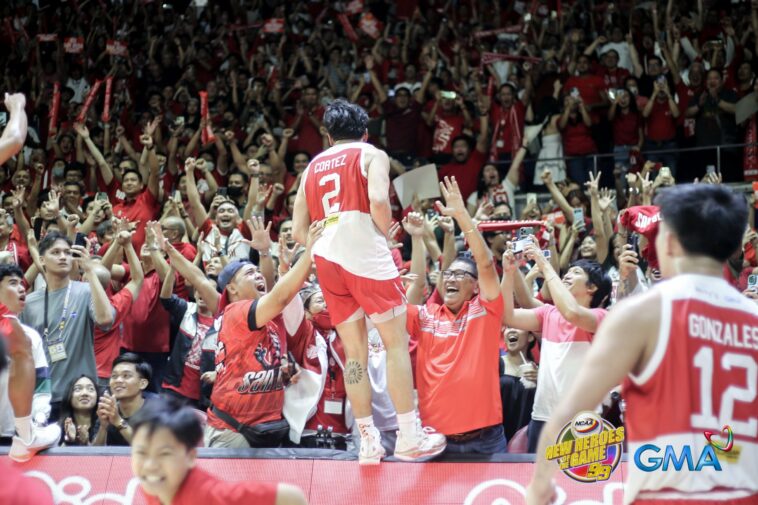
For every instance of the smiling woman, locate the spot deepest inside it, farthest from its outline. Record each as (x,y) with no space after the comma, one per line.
(79,421)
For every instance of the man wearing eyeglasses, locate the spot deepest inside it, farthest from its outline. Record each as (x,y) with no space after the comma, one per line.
(457,342)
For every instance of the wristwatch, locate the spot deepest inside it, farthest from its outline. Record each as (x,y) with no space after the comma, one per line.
(122,425)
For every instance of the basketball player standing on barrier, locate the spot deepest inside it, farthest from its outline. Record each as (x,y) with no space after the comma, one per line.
(687,351)
(30,437)
(348,186)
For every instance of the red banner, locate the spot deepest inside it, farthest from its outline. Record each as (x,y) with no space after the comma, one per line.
(54,108)
(108,480)
(107,106)
(73,45)
(274,25)
(498,31)
(206,135)
(116,48)
(88,101)
(347,27)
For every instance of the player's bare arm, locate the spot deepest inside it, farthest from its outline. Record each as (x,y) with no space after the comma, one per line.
(623,344)
(301,218)
(378,168)
(14,134)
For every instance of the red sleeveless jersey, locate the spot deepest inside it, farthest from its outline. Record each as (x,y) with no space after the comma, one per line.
(703,375)
(336,190)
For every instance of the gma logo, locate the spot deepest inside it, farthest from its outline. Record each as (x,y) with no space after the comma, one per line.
(646,458)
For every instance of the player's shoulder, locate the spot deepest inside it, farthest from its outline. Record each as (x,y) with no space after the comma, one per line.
(639,313)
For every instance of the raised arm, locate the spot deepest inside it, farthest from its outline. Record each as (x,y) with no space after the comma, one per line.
(413,224)
(105,168)
(523,319)
(456,208)
(273,303)
(193,275)
(136,274)
(565,302)
(197,210)
(14,135)
(103,309)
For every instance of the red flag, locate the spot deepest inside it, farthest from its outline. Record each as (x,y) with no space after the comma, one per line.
(274,25)
(347,27)
(88,101)
(73,45)
(54,108)
(107,106)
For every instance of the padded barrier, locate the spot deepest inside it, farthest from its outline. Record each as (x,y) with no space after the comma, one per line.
(102,475)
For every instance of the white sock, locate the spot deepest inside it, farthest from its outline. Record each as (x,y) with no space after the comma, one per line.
(365,424)
(24,428)
(407,423)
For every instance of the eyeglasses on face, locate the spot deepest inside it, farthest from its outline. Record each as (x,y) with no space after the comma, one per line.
(458,275)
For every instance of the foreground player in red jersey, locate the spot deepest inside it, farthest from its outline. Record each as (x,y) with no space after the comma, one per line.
(348,186)
(687,352)
(163,459)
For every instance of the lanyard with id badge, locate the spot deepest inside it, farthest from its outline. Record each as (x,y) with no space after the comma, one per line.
(53,340)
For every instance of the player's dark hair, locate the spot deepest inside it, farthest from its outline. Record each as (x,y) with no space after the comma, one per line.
(345,120)
(596,277)
(10,270)
(709,220)
(183,422)
(51,238)
(143,367)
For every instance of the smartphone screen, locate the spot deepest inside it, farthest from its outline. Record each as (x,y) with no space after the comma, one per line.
(81,240)
(101,196)
(579,216)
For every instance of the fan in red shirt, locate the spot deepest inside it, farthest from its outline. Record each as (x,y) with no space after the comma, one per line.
(449,117)
(249,387)
(107,343)
(164,455)
(592,88)
(661,112)
(140,204)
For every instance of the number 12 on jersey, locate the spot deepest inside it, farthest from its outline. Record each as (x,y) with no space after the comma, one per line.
(704,360)
(330,207)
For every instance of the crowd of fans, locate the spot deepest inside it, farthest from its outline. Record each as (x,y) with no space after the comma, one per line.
(136,201)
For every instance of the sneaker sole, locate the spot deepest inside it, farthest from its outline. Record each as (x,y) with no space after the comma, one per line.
(373,460)
(420,456)
(20,459)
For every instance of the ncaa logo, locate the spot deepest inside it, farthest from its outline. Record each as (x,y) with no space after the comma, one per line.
(585,424)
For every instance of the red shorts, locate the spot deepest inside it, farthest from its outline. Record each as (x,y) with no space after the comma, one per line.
(346,293)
